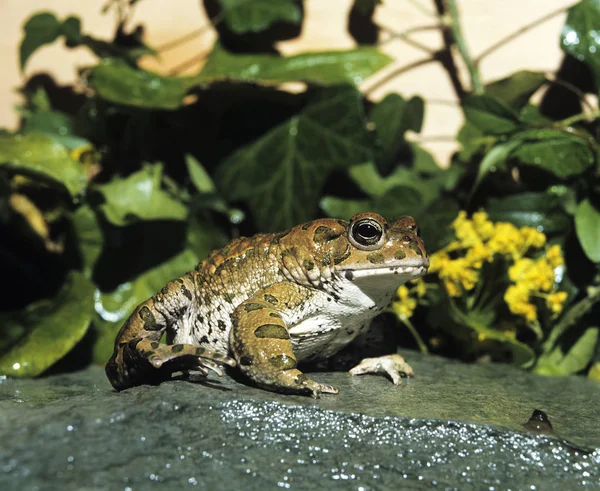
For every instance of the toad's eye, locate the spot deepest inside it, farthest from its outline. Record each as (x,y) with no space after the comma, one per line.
(415,230)
(366,234)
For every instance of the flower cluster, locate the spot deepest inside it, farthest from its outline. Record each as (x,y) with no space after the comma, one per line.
(460,264)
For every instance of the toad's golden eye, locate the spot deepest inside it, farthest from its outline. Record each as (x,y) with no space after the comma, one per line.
(366,234)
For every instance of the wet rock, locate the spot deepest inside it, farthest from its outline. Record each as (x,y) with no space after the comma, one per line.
(454,426)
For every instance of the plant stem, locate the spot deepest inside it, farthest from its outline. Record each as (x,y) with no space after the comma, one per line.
(579,117)
(415,334)
(462,47)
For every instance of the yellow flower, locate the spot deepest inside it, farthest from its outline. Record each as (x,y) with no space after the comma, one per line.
(506,240)
(464,230)
(554,256)
(483,226)
(460,275)
(420,287)
(555,301)
(517,299)
(438,261)
(518,270)
(532,238)
(405,306)
(477,254)
(452,289)
(540,275)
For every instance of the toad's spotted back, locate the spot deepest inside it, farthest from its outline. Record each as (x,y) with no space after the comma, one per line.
(265,302)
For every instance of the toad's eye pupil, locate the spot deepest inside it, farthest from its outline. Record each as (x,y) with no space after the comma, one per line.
(368,231)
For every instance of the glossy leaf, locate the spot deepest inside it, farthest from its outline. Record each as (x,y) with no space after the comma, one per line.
(580,36)
(492,161)
(335,207)
(587,225)
(113,308)
(559,152)
(243,16)
(490,115)
(40,29)
(89,237)
(538,210)
(140,197)
(319,67)
(118,82)
(366,6)
(516,89)
(41,157)
(198,175)
(281,174)
(50,329)
(393,117)
(571,359)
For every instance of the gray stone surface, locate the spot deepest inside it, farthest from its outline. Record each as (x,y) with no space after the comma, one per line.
(454,426)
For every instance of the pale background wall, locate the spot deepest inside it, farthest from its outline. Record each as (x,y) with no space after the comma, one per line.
(484,22)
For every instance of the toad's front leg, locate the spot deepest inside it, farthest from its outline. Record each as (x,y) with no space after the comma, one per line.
(393,365)
(139,357)
(261,343)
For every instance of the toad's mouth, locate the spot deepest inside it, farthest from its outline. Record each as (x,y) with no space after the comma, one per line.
(410,269)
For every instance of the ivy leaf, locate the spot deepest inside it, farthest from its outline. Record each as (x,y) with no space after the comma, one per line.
(40,157)
(281,174)
(542,211)
(89,237)
(40,29)
(335,207)
(492,161)
(116,81)
(243,16)
(559,152)
(580,37)
(49,329)
(574,359)
(209,197)
(490,115)
(587,226)
(139,197)
(321,67)
(516,89)
(393,116)
(365,7)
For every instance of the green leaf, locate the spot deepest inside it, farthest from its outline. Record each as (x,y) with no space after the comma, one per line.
(51,329)
(335,207)
(140,197)
(562,153)
(113,308)
(368,179)
(493,160)
(40,118)
(89,237)
(321,67)
(118,82)
(516,89)
(578,356)
(41,157)
(490,115)
(198,175)
(393,117)
(243,16)
(587,226)
(580,37)
(542,211)
(281,174)
(473,141)
(40,29)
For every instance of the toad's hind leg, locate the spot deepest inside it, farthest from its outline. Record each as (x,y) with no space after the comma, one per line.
(139,357)
(261,343)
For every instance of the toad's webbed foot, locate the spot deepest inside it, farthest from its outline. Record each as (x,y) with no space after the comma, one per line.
(393,365)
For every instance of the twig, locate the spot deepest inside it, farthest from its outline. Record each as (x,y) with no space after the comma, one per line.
(452,9)
(183,39)
(398,71)
(518,32)
(579,117)
(187,63)
(404,36)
